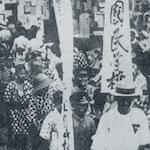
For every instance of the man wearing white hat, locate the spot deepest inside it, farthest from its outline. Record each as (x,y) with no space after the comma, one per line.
(122,128)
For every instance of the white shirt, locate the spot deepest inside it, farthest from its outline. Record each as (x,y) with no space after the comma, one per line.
(121,132)
(20,42)
(52,130)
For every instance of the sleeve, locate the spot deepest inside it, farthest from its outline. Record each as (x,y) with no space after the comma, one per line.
(144,132)
(93,127)
(100,139)
(46,128)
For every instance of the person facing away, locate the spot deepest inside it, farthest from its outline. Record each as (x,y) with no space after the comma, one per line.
(52,127)
(83,126)
(123,127)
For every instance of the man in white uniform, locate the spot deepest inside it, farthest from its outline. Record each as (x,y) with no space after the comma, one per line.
(122,128)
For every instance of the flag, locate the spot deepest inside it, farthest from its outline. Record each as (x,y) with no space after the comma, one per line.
(116,59)
(63,13)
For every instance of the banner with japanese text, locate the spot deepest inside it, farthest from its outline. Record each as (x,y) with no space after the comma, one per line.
(117,59)
(63,14)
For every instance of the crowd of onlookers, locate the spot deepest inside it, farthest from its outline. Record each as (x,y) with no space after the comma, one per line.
(29,76)
(31,86)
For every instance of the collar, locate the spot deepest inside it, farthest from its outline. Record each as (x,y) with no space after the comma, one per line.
(78,118)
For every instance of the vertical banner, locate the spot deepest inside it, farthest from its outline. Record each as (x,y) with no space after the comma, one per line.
(63,14)
(84,23)
(46,14)
(117,60)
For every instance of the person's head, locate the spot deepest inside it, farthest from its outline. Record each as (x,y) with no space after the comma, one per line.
(79,102)
(10,20)
(20,54)
(81,78)
(57,99)
(124,93)
(41,84)
(18,25)
(36,67)
(20,72)
(124,103)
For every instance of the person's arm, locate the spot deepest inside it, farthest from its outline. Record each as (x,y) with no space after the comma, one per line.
(93,127)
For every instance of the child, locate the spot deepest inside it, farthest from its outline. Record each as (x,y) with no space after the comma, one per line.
(51,129)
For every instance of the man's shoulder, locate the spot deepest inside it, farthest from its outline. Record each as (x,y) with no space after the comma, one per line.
(110,112)
(114,111)
(137,111)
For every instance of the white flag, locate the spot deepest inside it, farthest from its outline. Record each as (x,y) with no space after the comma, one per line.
(63,13)
(117,60)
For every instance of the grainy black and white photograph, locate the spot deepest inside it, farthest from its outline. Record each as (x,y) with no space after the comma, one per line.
(74,74)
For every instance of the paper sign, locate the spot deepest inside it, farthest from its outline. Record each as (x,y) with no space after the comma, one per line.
(116,61)
(63,13)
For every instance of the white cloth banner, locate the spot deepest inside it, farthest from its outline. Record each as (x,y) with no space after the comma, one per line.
(63,13)
(117,61)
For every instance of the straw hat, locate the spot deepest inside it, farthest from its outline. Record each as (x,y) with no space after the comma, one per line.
(41,81)
(124,90)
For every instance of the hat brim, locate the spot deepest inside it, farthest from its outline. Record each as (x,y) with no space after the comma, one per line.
(123,95)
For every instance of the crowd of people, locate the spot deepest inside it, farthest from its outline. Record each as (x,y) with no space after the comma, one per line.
(31,89)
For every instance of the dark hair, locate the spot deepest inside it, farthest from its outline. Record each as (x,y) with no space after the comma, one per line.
(77,96)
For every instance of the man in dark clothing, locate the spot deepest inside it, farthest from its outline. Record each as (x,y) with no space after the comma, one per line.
(83,125)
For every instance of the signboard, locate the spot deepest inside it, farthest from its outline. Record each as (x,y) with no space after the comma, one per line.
(46,14)
(84,23)
(117,61)
(63,13)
